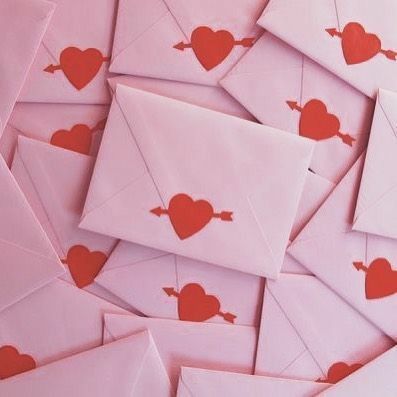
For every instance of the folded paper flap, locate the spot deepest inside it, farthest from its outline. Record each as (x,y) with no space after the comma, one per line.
(60,178)
(68,27)
(90,368)
(387,101)
(164,146)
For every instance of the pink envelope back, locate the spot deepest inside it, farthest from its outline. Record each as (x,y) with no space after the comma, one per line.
(22,26)
(355,39)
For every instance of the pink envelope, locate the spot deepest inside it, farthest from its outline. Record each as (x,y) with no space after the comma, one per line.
(355,39)
(55,182)
(160,284)
(27,258)
(377,198)
(22,26)
(71,65)
(357,266)
(314,342)
(74,127)
(209,346)
(52,323)
(204,383)
(126,368)
(284,89)
(152,194)
(378,378)
(214,98)
(195,41)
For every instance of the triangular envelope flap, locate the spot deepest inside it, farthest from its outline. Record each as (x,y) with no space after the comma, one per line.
(316,323)
(219,15)
(160,125)
(68,27)
(61,179)
(75,318)
(129,254)
(341,212)
(20,226)
(377,378)
(270,359)
(199,382)
(375,209)
(108,370)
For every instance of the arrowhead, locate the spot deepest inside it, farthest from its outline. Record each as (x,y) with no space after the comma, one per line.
(50,69)
(169,291)
(180,46)
(157,211)
(331,31)
(292,104)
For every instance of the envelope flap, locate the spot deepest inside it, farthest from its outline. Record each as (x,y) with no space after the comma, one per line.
(317,323)
(159,127)
(112,369)
(60,179)
(375,210)
(88,24)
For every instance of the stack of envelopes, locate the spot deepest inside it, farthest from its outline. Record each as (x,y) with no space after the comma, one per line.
(198,198)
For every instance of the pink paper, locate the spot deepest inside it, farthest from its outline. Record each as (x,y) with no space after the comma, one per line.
(22,26)
(130,194)
(284,89)
(355,39)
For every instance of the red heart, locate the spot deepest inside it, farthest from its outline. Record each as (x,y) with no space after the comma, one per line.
(84,265)
(340,370)
(78,139)
(316,123)
(380,280)
(188,216)
(13,363)
(80,67)
(210,47)
(195,305)
(357,45)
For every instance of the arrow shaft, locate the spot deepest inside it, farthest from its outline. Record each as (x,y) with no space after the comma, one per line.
(360,266)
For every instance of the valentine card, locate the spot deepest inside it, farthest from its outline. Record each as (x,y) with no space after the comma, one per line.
(210,97)
(73,127)
(22,26)
(283,88)
(55,182)
(205,383)
(28,261)
(71,65)
(360,267)
(165,285)
(355,39)
(195,41)
(375,379)
(314,348)
(71,320)
(245,179)
(189,344)
(129,367)
(377,198)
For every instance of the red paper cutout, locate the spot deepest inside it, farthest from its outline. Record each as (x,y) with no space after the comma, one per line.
(212,48)
(339,371)
(195,305)
(79,67)
(78,139)
(84,265)
(13,363)
(380,278)
(188,216)
(359,46)
(316,123)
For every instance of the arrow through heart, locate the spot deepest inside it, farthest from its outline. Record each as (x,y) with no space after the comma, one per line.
(195,305)
(359,46)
